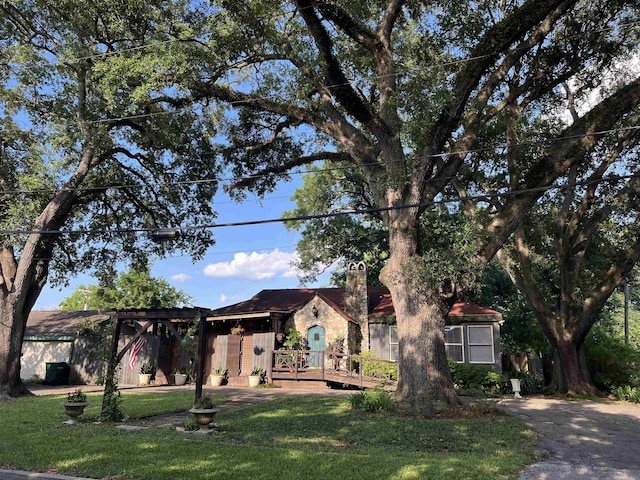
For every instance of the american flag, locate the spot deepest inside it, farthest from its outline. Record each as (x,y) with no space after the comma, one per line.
(135,348)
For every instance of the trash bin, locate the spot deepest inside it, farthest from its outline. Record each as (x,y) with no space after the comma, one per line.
(57,373)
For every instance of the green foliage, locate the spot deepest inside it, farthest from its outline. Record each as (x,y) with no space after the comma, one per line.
(611,362)
(112,410)
(294,340)
(76,396)
(340,239)
(79,108)
(258,372)
(529,382)
(520,332)
(205,402)
(477,377)
(269,385)
(627,393)
(146,369)
(189,424)
(132,289)
(88,327)
(382,370)
(372,400)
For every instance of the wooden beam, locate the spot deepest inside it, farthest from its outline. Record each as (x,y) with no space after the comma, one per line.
(145,327)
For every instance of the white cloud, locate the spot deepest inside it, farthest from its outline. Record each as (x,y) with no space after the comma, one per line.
(255,266)
(180,277)
(229,298)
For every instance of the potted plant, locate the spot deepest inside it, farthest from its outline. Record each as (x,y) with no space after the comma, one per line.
(181,375)
(256,376)
(203,411)
(217,376)
(75,405)
(146,371)
(237,330)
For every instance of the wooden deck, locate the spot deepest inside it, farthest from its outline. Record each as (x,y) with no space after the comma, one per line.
(353,370)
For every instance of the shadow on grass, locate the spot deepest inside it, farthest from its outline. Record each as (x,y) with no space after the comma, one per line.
(286,439)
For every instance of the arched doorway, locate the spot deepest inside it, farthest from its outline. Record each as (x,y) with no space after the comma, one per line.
(316,342)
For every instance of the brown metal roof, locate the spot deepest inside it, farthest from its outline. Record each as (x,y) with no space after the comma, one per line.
(60,323)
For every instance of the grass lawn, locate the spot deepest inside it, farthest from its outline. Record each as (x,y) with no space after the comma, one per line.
(289,438)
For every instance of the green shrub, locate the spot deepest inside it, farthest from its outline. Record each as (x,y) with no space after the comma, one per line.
(628,393)
(529,382)
(611,362)
(372,400)
(378,369)
(189,424)
(477,377)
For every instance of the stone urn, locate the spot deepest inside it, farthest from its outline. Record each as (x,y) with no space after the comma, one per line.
(144,378)
(180,378)
(216,380)
(73,410)
(254,380)
(203,416)
(515,386)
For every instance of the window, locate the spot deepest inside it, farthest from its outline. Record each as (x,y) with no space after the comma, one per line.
(453,343)
(480,343)
(394,351)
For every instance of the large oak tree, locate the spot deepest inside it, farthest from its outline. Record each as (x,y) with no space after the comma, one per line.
(91,159)
(404,93)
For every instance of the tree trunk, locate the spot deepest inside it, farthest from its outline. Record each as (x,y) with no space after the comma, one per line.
(425,385)
(570,372)
(12,326)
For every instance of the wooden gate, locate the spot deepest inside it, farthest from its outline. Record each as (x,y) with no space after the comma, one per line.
(263,344)
(228,353)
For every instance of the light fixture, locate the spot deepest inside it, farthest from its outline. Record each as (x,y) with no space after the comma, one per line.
(314,310)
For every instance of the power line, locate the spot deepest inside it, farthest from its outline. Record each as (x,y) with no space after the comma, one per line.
(369,211)
(232,180)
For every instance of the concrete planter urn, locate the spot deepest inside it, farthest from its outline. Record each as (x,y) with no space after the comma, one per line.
(180,378)
(216,380)
(144,378)
(203,416)
(73,410)
(254,380)
(515,386)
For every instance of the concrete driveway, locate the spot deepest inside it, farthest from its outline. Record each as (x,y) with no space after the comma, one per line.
(581,439)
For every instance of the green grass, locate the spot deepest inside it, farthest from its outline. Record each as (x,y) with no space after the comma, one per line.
(290,438)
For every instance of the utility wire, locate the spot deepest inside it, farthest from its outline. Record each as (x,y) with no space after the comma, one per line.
(232,180)
(368,211)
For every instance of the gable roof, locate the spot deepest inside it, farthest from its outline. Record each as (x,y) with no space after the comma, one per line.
(288,301)
(60,324)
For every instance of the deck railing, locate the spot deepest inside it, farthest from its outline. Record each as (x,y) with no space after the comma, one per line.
(354,369)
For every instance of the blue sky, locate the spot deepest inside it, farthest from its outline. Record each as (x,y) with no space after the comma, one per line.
(243,261)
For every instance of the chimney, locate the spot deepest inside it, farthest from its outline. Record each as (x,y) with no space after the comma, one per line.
(356,304)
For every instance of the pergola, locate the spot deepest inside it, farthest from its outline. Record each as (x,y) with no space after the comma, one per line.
(147,317)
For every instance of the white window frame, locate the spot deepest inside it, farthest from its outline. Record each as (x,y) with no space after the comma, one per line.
(391,356)
(492,344)
(461,344)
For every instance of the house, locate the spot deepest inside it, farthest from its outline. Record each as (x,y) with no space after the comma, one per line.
(81,342)
(359,316)
(57,338)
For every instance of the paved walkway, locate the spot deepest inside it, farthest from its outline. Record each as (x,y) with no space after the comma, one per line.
(581,439)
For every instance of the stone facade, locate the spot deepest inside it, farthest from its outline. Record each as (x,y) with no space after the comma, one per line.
(335,325)
(356,300)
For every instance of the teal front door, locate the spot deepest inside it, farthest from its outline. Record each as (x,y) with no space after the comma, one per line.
(315,340)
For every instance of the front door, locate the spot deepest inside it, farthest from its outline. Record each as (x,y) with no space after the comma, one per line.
(315,340)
